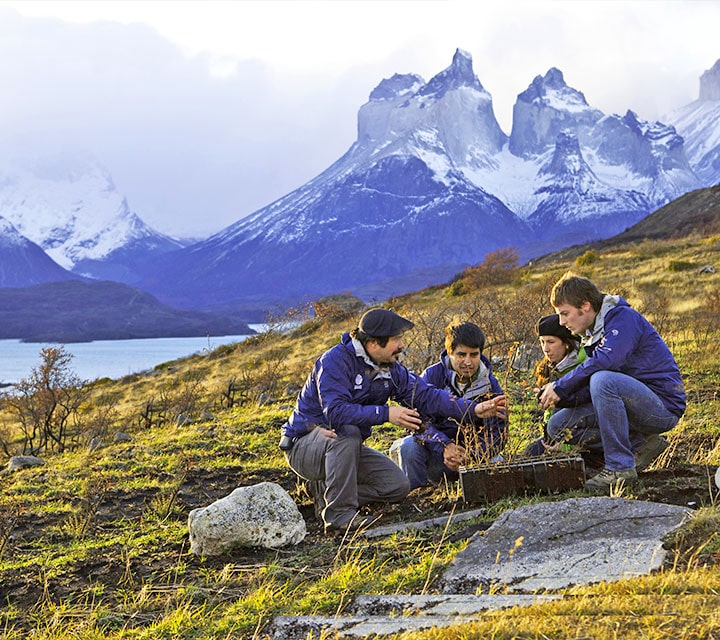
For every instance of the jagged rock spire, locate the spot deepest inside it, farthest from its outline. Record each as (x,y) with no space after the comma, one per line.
(459,74)
(546,108)
(710,83)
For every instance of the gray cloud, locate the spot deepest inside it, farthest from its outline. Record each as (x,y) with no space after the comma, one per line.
(194,150)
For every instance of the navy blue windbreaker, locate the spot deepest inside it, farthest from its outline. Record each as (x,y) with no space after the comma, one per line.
(343,389)
(484,387)
(624,341)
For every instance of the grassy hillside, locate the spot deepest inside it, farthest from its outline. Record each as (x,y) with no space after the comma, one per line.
(94,543)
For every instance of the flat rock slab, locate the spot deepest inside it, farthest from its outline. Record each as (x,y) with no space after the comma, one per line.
(387,530)
(553,545)
(385,615)
(448,604)
(305,627)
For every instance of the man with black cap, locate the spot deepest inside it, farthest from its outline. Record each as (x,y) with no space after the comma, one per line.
(344,396)
(443,446)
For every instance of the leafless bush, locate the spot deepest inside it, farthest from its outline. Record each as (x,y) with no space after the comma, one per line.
(101,416)
(280,320)
(508,319)
(427,339)
(10,513)
(705,328)
(257,379)
(338,307)
(46,403)
(184,395)
(268,373)
(655,306)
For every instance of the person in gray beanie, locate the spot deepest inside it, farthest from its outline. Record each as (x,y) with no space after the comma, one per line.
(345,395)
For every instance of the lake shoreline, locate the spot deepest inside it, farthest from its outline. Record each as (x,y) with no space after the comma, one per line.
(93,360)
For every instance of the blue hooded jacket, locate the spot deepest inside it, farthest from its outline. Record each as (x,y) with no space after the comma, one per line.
(485,386)
(345,388)
(622,340)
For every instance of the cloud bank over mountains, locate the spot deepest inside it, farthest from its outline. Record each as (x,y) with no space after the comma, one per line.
(162,124)
(197,142)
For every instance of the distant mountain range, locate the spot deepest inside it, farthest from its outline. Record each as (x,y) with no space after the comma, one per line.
(73,311)
(695,213)
(431,185)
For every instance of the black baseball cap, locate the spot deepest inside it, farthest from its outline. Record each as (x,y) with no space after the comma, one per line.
(381,323)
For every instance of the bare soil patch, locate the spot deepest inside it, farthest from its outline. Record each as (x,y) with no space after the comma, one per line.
(686,485)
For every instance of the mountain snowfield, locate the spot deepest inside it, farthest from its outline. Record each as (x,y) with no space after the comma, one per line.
(430,186)
(73,211)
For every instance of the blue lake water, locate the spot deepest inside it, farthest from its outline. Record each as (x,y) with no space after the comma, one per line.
(108,358)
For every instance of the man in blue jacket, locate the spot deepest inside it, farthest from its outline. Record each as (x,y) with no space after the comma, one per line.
(345,395)
(442,447)
(636,389)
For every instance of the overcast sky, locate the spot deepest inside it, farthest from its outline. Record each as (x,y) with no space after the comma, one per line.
(205,111)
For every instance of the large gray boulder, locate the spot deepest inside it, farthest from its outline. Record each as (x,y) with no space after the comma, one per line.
(262,515)
(553,545)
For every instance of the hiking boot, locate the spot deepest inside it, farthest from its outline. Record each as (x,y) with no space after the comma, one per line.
(356,523)
(651,449)
(607,478)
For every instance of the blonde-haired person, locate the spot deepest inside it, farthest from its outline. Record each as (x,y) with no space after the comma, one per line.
(636,390)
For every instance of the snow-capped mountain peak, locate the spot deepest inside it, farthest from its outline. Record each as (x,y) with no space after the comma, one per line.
(9,236)
(459,74)
(71,208)
(552,91)
(396,87)
(22,262)
(545,109)
(450,116)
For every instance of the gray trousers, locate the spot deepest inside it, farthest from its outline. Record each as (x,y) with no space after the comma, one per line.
(354,475)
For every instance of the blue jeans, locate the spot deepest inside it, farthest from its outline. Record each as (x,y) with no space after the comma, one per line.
(425,464)
(420,464)
(624,411)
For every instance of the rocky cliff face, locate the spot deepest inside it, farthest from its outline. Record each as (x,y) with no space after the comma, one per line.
(710,83)
(547,108)
(699,125)
(431,185)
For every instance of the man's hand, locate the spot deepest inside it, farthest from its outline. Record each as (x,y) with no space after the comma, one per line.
(405,418)
(496,406)
(328,433)
(454,456)
(548,397)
